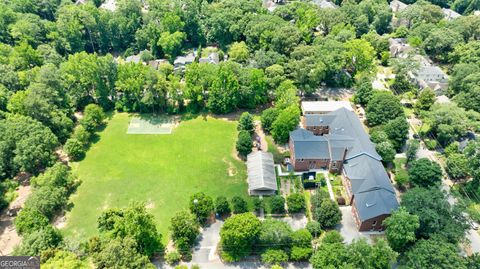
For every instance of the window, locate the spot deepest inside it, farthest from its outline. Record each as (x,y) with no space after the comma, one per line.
(334,164)
(374,223)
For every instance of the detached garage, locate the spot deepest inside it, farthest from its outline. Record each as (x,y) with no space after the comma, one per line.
(261,174)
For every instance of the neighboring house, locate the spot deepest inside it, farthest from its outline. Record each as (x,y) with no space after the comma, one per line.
(181,61)
(399,48)
(212,58)
(156,63)
(442,99)
(324,107)
(397,6)
(271,5)
(337,142)
(324,4)
(261,174)
(450,14)
(431,76)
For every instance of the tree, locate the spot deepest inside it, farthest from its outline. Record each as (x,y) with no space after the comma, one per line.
(329,256)
(223,94)
(132,222)
(198,80)
(434,253)
(457,166)
(275,234)
(295,203)
(274,256)
(244,143)
(47,200)
(302,238)
(74,149)
(59,175)
(360,55)
(437,217)
(425,100)
(239,205)
(425,173)
(328,214)
(306,68)
(397,131)
(238,235)
(401,228)
(301,254)
(286,122)
(448,122)
(386,151)
(364,91)
(222,206)
(268,117)
(171,43)
(401,84)
(332,237)
(64,259)
(202,206)
(238,52)
(120,252)
(30,220)
(37,241)
(184,226)
(412,148)
(383,107)
(245,123)
(93,117)
(314,228)
(277,204)
(286,95)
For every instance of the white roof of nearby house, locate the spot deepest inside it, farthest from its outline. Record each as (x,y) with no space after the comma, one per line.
(431,73)
(397,6)
(450,14)
(324,4)
(187,59)
(399,47)
(261,173)
(324,106)
(443,99)
(212,58)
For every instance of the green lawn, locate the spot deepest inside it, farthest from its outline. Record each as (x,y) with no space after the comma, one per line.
(162,170)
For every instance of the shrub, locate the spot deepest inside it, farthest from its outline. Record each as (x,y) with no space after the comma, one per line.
(328,214)
(301,254)
(332,237)
(258,204)
(245,123)
(195,266)
(74,149)
(238,235)
(222,207)
(172,257)
(29,220)
(314,228)
(82,134)
(430,144)
(425,173)
(302,238)
(244,143)
(268,117)
(47,200)
(239,205)
(274,256)
(93,117)
(277,204)
(295,203)
(402,178)
(37,241)
(201,205)
(275,234)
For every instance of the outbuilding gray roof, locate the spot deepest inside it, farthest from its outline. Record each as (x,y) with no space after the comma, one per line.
(261,173)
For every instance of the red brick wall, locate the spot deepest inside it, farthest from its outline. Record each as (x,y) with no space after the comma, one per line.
(318,130)
(307,164)
(368,225)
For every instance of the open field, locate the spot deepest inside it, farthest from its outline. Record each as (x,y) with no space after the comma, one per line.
(162,170)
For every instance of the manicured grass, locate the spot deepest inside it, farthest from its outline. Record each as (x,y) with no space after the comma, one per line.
(272,148)
(161,170)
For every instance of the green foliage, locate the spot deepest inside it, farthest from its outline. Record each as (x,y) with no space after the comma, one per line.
(434,253)
(93,117)
(275,234)
(222,207)
(383,107)
(82,135)
(457,166)
(286,122)
(401,228)
(302,238)
(201,206)
(285,96)
(30,220)
(172,257)
(238,235)
(244,143)
(425,100)
(412,148)
(245,123)
(397,131)
(239,205)
(223,94)
(425,173)
(301,254)
(64,259)
(332,237)
(59,175)
(386,151)
(239,52)
(274,256)
(134,223)
(277,204)
(74,149)
(437,217)
(364,91)
(314,228)
(401,83)
(184,226)
(37,241)
(296,202)
(431,144)
(47,200)
(328,214)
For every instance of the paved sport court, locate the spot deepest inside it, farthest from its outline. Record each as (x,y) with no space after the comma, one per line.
(151,125)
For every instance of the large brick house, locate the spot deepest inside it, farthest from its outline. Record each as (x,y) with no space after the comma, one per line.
(336,141)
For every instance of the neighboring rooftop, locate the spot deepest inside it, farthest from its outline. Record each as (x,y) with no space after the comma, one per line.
(323,107)
(450,14)
(261,174)
(212,58)
(324,4)
(397,6)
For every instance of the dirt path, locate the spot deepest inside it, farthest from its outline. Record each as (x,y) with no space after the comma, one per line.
(259,133)
(8,235)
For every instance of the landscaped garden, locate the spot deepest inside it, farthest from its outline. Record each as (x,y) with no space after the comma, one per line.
(161,170)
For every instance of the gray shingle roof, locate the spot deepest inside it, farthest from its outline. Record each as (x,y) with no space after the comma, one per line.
(318,119)
(309,146)
(261,172)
